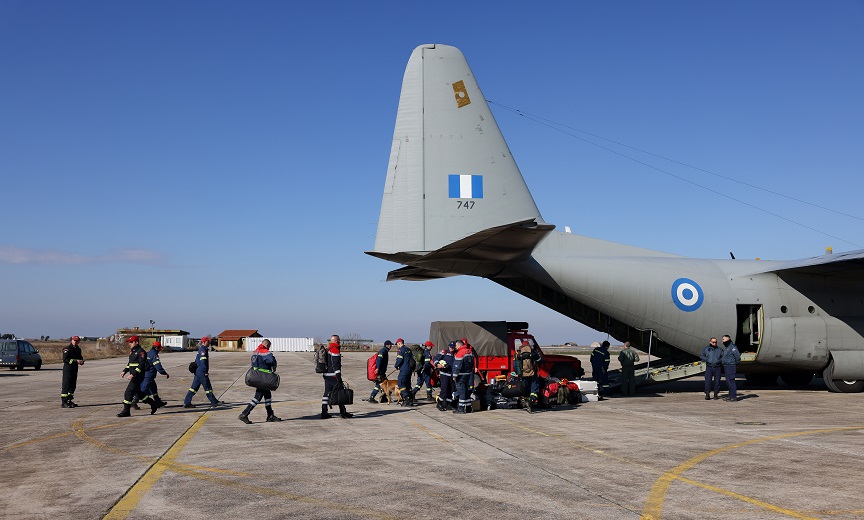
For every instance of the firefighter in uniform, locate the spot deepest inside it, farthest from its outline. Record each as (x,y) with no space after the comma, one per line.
(154,366)
(381,369)
(463,373)
(424,374)
(444,363)
(600,366)
(264,361)
(527,360)
(332,378)
(134,372)
(71,359)
(202,376)
(403,363)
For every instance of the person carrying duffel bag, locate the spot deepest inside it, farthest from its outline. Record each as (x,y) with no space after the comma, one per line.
(262,375)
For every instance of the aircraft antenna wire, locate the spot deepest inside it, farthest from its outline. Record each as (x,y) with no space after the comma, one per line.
(553,126)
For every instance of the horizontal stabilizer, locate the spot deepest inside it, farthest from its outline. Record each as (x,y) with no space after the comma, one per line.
(484,253)
(839,264)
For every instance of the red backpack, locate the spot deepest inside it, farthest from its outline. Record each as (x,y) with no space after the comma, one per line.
(370,367)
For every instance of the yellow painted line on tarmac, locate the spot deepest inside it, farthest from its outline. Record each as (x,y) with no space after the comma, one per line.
(130,500)
(653,508)
(430,432)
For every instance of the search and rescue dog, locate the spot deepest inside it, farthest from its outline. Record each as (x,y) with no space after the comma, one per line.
(390,385)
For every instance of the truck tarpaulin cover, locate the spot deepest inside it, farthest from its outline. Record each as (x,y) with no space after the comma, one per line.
(489,338)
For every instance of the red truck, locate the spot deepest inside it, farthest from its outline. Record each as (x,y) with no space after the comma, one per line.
(496,342)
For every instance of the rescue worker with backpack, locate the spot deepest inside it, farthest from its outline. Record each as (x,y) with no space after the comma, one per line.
(333,378)
(263,361)
(382,360)
(424,372)
(443,362)
(463,372)
(526,363)
(406,364)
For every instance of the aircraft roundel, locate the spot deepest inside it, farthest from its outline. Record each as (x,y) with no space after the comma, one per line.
(687,294)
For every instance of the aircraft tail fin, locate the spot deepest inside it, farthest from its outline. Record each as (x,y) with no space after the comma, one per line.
(450,174)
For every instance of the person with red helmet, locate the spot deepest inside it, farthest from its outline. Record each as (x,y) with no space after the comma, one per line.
(134,372)
(333,378)
(264,361)
(424,373)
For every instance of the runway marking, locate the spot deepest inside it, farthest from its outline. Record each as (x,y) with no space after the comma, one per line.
(130,500)
(653,507)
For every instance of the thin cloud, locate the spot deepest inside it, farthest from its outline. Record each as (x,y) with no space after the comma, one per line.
(23,255)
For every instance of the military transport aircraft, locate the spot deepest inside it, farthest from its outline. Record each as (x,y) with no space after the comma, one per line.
(455,203)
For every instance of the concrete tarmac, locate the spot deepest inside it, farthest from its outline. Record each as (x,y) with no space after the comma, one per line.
(665,453)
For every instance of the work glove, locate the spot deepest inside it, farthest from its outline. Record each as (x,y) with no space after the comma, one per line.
(167,376)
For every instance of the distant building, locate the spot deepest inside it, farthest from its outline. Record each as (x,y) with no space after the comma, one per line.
(146,336)
(234,339)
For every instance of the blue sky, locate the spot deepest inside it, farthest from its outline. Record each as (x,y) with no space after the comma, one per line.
(214,165)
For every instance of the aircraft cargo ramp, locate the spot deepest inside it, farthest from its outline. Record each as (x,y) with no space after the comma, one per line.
(646,374)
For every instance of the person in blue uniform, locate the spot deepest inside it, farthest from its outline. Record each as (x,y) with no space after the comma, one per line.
(730,359)
(333,377)
(712,356)
(444,364)
(600,367)
(264,361)
(154,366)
(463,373)
(381,364)
(424,372)
(202,376)
(404,356)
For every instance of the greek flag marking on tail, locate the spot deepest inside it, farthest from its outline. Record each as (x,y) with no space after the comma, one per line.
(466,186)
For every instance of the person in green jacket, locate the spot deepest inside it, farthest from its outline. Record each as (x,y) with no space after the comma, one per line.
(628,359)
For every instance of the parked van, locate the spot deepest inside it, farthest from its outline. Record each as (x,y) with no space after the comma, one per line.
(17,353)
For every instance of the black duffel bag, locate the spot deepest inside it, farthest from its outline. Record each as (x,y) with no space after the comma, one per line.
(513,389)
(341,394)
(262,380)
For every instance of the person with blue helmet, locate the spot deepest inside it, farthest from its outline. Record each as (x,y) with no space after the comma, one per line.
(264,361)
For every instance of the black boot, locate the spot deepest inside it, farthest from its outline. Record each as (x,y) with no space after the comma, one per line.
(63,403)
(707,396)
(324,414)
(125,412)
(343,413)
(245,418)
(271,417)
(716,396)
